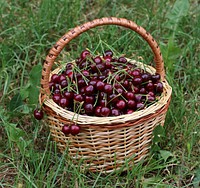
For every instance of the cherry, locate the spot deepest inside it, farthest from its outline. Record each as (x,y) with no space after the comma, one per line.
(145,77)
(78,98)
(81,83)
(68,95)
(137,81)
(38,114)
(63,83)
(63,102)
(107,58)
(130,111)
(151,93)
(150,98)
(108,89)
(155,78)
(138,98)
(74,129)
(89,99)
(93,82)
(139,106)
(113,98)
(100,85)
(55,78)
(131,104)
(88,107)
(86,73)
(122,60)
(97,60)
(57,91)
(130,95)
(84,54)
(105,111)
(51,85)
(115,112)
(101,67)
(68,66)
(121,104)
(56,98)
(89,90)
(150,86)
(135,73)
(143,90)
(66,129)
(108,53)
(97,110)
(61,78)
(159,87)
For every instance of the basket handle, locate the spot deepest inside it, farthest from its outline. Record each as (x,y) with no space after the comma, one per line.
(73,33)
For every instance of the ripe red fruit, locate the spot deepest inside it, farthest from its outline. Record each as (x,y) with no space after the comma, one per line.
(135,73)
(55,78)
(89,90)
(105,111)
(139,106)
(130,95)
(108,53)
(66,129)
(97,60)
(68,95)
(150,86)
(97,111)
(100,85)
(159,87)
(122,60)
(74,129)
(38,114)
(121,104)
(64,102)
(137,81)
(84,54)
(115,112)
(108,89)
(56,98)
(131,104)
(78,98)
(89,108)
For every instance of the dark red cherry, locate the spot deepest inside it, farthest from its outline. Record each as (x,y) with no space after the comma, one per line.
(113,98)
(38,114)
(66,129)
(68,66)
(138,98)
(115,112)
(68,95)
(105,111)
(64,83)
(97,111)
(130,95)
(74,129)
(139,106)
(150,86)
(108,89)
(97,60)
(142,90)
(136,73)
(89,99)
(108,53)
(93,82)
(121,104)
(57,91)
(78,97)
(100,85)
(61,78)
(151,93)
(86,73)
(122,60)
(130,111)
(81,83)
(131,104)
(89,108)
(55,78)
(56,98)
(159,87)
(150,98)
(64,102)
(155,78)
(89,90)
(137,81)
(84,54)
(145,77)
(107,58)
(100,67)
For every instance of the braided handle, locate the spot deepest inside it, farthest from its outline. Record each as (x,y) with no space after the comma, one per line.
(64,40)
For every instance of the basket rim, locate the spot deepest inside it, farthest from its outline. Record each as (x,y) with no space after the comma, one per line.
(88,120)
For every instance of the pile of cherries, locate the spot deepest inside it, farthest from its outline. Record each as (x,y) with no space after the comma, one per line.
(103,86)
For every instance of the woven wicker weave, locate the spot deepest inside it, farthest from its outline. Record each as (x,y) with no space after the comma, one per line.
(105,144)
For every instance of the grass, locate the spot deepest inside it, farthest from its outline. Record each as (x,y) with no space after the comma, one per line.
(28,29)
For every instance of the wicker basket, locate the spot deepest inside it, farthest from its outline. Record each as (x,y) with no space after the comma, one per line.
(105,144)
